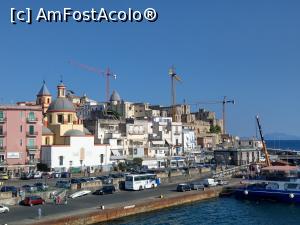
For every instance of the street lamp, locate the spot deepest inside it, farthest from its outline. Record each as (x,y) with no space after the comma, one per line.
(101,162)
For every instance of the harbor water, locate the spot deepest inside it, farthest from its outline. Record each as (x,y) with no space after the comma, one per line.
(219,211)
(224,210)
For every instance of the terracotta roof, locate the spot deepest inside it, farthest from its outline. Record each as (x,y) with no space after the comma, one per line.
(281,168)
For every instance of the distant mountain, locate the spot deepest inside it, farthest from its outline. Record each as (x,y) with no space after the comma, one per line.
(281,136)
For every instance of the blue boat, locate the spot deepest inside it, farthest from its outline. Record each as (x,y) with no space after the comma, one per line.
(277,183)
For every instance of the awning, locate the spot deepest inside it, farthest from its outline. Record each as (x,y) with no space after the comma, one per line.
(115,152)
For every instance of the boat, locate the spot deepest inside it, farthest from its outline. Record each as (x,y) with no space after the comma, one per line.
(277,183)
(79,194)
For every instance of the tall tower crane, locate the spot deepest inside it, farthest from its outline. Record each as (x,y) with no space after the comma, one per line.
(107,73)
(224,102)
(174,77)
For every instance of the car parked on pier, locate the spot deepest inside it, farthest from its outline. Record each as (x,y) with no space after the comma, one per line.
(4,209)
(183,187)
(197,186)
(33,200)
(12,189)
(29,188)
(109,189)
(41,186)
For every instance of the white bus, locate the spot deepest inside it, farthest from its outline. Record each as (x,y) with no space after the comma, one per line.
(140,181)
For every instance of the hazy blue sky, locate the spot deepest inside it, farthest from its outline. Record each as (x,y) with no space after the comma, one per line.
(247,50)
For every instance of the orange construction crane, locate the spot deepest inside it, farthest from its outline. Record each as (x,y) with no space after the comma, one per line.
(265,151)
(108,74)
(174,77)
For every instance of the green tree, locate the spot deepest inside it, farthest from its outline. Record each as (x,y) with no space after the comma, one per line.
(122,166)
(138,161)
(215,129)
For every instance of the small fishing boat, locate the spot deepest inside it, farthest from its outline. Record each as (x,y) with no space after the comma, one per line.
(79,193)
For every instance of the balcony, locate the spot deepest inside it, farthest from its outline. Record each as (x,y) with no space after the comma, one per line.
(3,162)
(3,134)
(32,120)
(3,120)
(2,148)
(31,134)
(33,161)
(32,148)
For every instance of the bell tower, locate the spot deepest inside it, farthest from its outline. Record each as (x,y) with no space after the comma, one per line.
(44,98)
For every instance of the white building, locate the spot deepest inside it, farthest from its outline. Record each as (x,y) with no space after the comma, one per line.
(188,140)
(80,152)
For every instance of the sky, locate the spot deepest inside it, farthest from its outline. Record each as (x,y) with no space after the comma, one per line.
(248,51)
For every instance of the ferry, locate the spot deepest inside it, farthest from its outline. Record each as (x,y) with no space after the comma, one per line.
(277,183)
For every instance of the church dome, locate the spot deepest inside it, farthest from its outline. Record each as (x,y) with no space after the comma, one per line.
(115,97)
(46,131)
(73,132)
(86,131)
(61,104)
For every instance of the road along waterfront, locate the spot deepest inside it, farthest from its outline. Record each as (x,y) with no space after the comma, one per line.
(85,208)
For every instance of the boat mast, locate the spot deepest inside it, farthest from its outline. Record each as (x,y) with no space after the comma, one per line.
(265,151)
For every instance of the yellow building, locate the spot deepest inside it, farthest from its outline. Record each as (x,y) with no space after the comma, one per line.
(62,120)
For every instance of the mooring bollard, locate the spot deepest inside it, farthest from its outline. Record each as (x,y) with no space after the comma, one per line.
(39,213)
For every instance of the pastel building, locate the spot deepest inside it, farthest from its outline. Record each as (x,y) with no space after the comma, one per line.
(67,144)
(20,137)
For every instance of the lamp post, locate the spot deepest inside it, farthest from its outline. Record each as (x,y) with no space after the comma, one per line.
(101,162)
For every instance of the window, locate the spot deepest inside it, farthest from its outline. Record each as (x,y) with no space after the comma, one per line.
(31,129)
(1,130)
(31,142)
(47,141)
(21,142)
(61,160)
(69,118)
(21,128)
(21,114)
(1,158)
(60,118)
(31,116)
(1,115)
(50,119)
(48,100)
(31,157)
(1,142)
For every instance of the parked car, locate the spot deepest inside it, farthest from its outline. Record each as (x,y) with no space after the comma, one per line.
(26,176)
(109,189)
(63,184)
(46,174)
(222,182)
(37,175)
(65,175)
(75,181)
(197,186)
(183,187)
(4,209)
(210,182)
(56,175)
(116,175)
(33,200)
(12,189)
(106,179)
(29,188)
(4,176)
(41,186)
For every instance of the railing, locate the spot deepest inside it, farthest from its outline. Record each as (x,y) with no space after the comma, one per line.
(30,134)
(3,134)
(3,162)
(3,120)
(32,148)
(32,120)
(33,161)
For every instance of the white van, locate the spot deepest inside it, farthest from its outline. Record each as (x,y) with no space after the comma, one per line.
(210,182)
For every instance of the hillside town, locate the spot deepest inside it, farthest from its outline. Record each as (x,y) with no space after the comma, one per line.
(74,133)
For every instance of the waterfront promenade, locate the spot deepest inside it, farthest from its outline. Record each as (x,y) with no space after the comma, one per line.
(89,204)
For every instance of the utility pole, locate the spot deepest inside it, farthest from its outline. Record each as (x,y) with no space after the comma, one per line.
(225,101)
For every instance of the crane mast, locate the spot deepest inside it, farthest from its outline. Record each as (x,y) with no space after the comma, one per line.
(265,151)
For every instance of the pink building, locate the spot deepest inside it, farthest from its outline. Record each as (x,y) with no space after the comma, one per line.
(20,137)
